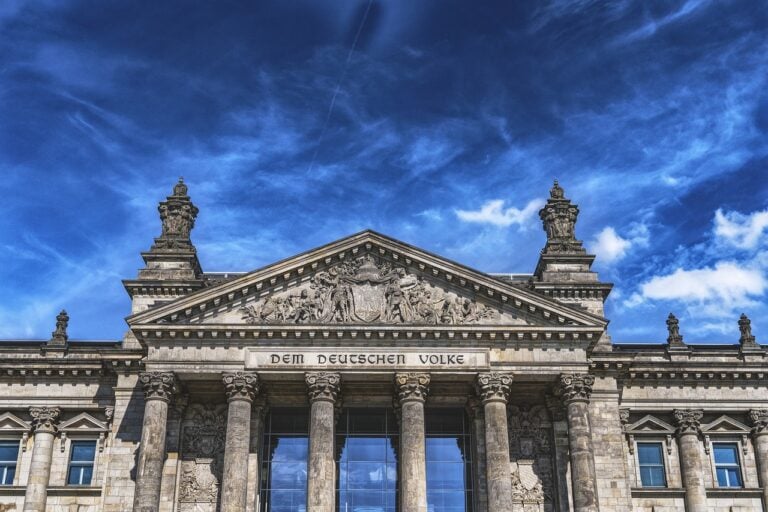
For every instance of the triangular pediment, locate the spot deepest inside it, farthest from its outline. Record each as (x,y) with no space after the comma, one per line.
(725,424)
(650,424)
(83,422)
(11,423)
(367,279)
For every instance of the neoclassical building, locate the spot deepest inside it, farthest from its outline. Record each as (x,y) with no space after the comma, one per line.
(369,375)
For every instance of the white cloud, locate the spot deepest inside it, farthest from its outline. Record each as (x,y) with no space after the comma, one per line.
(738,230)
(493,212)
(718,289)
(609,246)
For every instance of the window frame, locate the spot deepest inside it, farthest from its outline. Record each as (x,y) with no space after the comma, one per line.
(664,448)
(739,448)
(18,441)
(81,464)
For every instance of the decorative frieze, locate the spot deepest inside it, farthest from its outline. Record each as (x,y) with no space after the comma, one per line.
(412,386)
(688,421)
(575,387)
(44,419)
(241,385)
(323,385)
(493,386)
(158,385)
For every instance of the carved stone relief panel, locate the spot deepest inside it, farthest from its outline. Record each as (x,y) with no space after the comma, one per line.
(202,457)
(530,444)
(367,290)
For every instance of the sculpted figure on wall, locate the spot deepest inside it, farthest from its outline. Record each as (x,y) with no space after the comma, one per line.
(204,435)
(367,291)
(531,457)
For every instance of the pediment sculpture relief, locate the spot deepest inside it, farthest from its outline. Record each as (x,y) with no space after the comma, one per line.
(367,291)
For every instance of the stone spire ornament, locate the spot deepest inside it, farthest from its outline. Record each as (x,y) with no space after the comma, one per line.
(59,335)
(559,219)
(674,339)
(177,214)
(745,328)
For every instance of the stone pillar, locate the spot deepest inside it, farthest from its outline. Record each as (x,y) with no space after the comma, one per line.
(759,419)
(575,390)
(44,421)
(241,389)
(323,389)
(159,388)
(411,390)
(477,417)
(493,389)
(688,423)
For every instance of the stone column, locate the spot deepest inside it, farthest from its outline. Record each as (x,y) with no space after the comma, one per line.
(493,389)
(759,419)
(159,388)
(575,390)
(44,421)
(241,389)
(411,390)
(477,417)
(323,389)
(688,423)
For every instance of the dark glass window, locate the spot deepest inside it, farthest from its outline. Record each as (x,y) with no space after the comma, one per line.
(449,466)
(727,464)
(651,460)
(9,454)
(81,459)
(367,477)
(284,471)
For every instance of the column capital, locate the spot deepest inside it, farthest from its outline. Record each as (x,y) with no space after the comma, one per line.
(493,386)
(44,419)
(688,421)
(240,385)
(323,385)
(574,387)
(412,386)
(759,420)
(158,385)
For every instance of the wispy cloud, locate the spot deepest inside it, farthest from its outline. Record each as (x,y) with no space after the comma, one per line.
(493,212)
(741,231)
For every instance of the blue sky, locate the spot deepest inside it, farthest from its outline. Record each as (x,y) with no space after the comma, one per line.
(440,123)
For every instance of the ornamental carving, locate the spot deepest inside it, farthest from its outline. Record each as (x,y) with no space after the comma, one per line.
(494,386)
(674,339)
(177,214)
(759,420)
(575,387)
(559,220)
(745,328)
(44,419)
(241,385)
(158,385)
(323,385)
(59,335)
(530,443)
(204,436)
(369,291)
(688,421)
(412,386)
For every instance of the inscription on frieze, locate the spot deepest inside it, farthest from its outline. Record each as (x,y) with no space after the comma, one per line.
(370,291)
(370,358)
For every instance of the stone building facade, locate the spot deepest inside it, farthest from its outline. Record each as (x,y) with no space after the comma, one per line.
(368,375)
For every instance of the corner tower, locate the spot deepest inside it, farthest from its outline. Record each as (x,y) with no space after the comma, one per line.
(171,265)
(564,268)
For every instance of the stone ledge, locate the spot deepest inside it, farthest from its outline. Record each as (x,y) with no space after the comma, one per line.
(722,492)
(658,492)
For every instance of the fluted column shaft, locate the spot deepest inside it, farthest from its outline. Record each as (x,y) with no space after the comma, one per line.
(44,421)
(411,390)
(759,418)
(688,424)
(159,389)
(493,389)
(323,389)
(575,390)
(241,389)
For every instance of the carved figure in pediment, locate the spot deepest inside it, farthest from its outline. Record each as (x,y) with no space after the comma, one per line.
(364,291)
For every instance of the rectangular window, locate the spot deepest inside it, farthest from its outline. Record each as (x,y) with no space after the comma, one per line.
(449,467)
(81,463)
(284,470)
(651,460)
(727,464)
(9,454)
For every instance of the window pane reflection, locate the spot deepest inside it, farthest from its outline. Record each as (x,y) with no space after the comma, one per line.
(284,472)
(366,457)
(449,470)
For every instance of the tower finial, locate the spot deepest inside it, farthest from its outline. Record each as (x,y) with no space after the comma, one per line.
(745,328)
(59,335)
(559,218)
(177,214)
(180,189)
(556,192)
(675,339)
